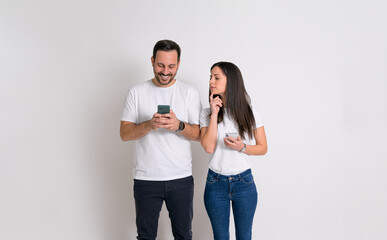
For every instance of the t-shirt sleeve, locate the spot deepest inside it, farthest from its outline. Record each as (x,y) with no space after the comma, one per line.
(258,118)
(195,108)
(205,117)
(129,113)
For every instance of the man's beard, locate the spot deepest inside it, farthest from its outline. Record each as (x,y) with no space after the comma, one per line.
(162,82)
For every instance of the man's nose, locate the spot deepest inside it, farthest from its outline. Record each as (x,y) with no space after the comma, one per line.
(165,71)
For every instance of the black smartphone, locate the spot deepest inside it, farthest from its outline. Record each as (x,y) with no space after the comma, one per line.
(216,95)
(162,109)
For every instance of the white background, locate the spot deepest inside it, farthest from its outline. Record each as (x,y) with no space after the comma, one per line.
(317,70)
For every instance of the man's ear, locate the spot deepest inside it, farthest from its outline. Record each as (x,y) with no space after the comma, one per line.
(153,61)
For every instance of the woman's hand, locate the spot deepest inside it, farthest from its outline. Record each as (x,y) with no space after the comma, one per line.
(233,143)
(215,104)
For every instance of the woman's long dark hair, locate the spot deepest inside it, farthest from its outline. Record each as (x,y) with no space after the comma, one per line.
(237,100)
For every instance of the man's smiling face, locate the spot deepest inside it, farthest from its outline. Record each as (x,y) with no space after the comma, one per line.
(165,67)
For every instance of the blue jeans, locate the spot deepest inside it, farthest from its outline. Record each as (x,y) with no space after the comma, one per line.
(238,189)
(178,197)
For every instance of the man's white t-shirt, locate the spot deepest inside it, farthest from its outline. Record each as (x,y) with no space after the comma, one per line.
(162,155)
(224,160)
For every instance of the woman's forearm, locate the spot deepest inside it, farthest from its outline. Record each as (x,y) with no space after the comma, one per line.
(209,135)
(256,149)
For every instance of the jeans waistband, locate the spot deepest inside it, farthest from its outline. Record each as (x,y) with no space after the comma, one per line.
(221,177)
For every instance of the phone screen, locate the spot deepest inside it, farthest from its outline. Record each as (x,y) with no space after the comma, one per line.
(233,135)
(216,95)
(162,109)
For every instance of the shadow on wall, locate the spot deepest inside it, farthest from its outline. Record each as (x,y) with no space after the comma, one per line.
(201,223)
(201,226)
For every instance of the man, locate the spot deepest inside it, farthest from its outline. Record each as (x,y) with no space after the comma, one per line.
(163,162)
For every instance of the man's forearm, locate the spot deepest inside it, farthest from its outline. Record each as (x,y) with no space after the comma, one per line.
(132,131)
(191,132)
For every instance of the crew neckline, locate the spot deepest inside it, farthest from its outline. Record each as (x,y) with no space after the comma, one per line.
(170,87)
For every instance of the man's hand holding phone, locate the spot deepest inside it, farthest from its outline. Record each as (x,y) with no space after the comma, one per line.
(165,118)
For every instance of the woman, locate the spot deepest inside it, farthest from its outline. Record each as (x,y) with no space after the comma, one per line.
(229,178)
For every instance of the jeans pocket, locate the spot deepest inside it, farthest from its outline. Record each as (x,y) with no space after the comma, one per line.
(210,179)
(248,179)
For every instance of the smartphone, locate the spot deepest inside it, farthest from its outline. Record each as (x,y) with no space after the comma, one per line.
(216,95)
(233,135)
(162,109)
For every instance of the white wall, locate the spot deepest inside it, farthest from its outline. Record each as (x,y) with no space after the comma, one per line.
(317,70)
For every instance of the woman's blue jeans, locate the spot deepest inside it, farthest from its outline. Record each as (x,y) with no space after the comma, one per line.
(237,189)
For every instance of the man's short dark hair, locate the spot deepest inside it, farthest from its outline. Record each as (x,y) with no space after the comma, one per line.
(166,45)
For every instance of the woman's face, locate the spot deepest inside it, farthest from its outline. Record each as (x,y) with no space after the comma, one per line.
(218,81)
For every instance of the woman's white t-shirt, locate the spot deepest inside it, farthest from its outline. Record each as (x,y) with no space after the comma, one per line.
(224,160)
